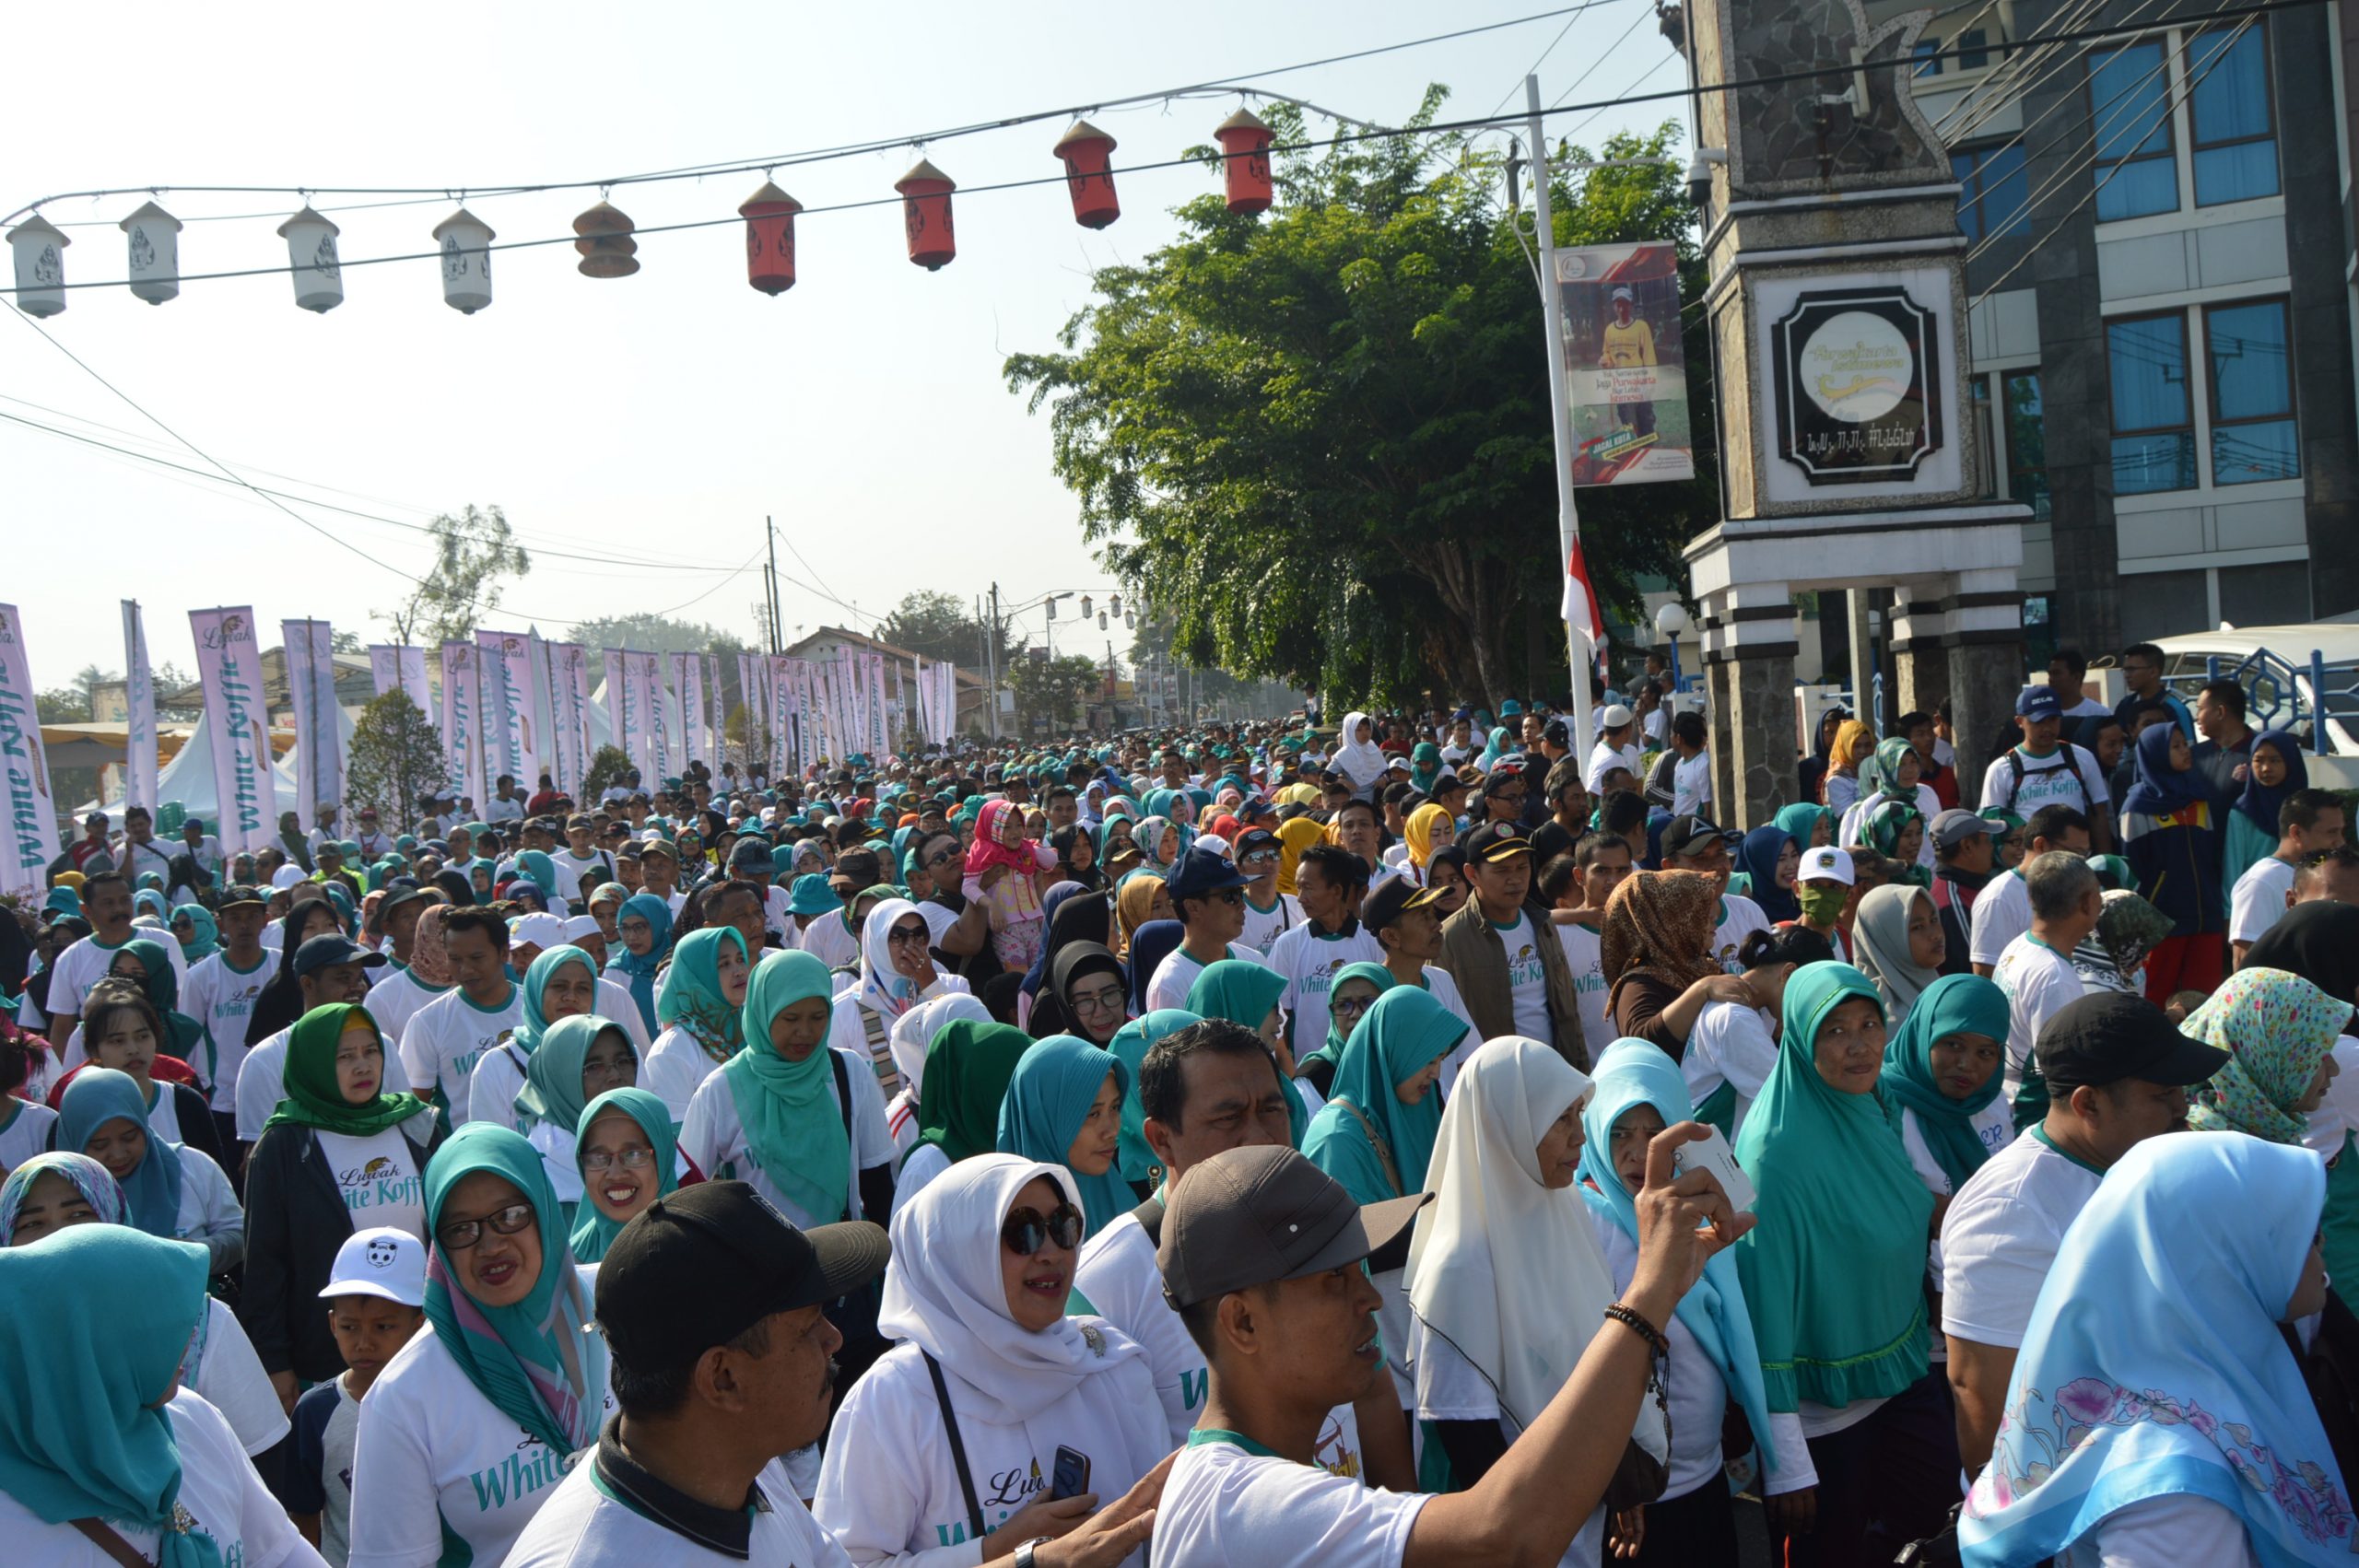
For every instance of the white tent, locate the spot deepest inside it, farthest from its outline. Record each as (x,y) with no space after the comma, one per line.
(187,779)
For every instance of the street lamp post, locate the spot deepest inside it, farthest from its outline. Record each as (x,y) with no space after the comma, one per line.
(1672,621)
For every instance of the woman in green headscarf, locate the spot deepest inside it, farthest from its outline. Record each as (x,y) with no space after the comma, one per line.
(1376,1132)
(1425,767)
(193,929)
(561,982)
(1349,995)
(339,1153)
(804,1124)
(144,962)
(1064,1107)
(1131,1043)
(580,1059)
(1245,992)
(1811,825)
(644,928)
(542,871)
(1896,831)
(1941,1080)
(700,1003)
(92,1425)
(627,1156)
(509,1352)
(1834,1273)
(967,1066)
(2007,843)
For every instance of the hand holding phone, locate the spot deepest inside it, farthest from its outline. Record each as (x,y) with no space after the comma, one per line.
(1714,1154)
(1072,1477)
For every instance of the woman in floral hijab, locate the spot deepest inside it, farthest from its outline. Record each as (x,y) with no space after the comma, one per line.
(2279,1031)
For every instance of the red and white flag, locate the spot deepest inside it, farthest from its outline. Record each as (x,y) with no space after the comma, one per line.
(1581,609)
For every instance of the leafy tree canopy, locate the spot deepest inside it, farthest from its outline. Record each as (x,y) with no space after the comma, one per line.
(942,628)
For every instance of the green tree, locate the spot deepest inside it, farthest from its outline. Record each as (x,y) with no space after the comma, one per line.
(942,628)
(1051,691)
(607,765)
(395,756)
(1319,441)
(473,551)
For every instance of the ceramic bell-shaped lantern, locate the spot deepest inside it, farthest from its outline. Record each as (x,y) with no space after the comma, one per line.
(154,235)
(607,250)
(40,248)
(1087,152)
(311,256)
(769,239)
(466,261)
(925,211)
(1245,145)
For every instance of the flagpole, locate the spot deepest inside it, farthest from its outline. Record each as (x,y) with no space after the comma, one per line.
(1569,521)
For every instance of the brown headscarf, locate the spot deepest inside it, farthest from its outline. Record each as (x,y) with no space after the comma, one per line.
(1659,924)
(429,954)
(1130,906)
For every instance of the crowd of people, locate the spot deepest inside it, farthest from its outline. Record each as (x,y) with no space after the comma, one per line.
(1403,1142)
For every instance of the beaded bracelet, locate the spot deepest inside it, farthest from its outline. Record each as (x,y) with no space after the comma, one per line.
(1637,1325)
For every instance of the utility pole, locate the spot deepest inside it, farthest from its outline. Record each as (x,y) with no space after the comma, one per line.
(993,672)
(777,631)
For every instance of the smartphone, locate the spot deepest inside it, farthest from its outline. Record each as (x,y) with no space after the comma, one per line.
(1072,1477)
(1714,1154)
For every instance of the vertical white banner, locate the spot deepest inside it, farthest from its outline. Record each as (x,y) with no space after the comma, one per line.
(139,692)
(777,680)
(462,743)
(402,668)
(688,679)
(656,764)
(620,710)
(307,649)
(716,712)
(882,742)
(548,750)
(31,841)
(229,661)
(384,667)
(573,727)
(505,710)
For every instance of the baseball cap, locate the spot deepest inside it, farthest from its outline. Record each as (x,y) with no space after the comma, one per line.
(751,854)
(854,868)
(1956,826)
(1259,1215)
(1614,716)
(1556,732)
(655,845)
(540,927)
(2107,1036)
(1687,835)
(1506,773)
(397,896)
(1391,899)
(2038,702)
(384,1261)
(1825,863)
(1254,838)
(327,950)
(1446,780)
(1495,841)
(698,1268)
(1200,872)
(233,897)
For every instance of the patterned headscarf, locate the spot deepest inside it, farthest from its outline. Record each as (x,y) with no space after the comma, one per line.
(429,954)
(2277,1029)
(1659,923)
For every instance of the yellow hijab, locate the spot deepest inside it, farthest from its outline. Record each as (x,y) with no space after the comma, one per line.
(1294,837)
(1420,831)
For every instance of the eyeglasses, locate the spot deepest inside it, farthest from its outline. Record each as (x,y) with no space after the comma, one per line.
(940,861)
(1350,1007)
(908,936)
(461,1234)
(1026,1230)
(629,1160)
(1231,896)
(1258,857)
(1097,1001)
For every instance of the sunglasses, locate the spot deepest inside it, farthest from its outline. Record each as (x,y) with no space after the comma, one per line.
(940,861)
(1026,1230)
(1231,896)
(461,1234)
(908,936)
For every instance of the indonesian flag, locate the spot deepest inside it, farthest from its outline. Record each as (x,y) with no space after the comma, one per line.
(1581,608)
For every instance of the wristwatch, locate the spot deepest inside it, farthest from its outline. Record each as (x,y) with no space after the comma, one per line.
(1023,1551)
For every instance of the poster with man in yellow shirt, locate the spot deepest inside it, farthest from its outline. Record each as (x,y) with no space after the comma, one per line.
(1626,369)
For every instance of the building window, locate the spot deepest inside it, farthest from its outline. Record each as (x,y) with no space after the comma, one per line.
(1973,48)
(2027,442)
(2252,394)
(2154,420)
(2235,130)
(1929,56)
(1997,196)
(2166,603)
(2129,103)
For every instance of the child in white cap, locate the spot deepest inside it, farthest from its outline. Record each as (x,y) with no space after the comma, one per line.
(376,1299)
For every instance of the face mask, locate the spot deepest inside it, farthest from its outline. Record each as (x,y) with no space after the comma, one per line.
(1820,905)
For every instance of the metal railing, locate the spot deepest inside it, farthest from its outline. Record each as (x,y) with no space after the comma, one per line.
(2309,698)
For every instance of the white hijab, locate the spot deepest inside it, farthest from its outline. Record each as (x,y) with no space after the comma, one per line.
(943,1292)
(1360,761)
(914,1031)
(884,990)
(1510,1271)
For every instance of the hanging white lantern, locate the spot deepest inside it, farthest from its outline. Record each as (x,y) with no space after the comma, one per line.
(466,261)
(155,240)
(311,251)
(40,266)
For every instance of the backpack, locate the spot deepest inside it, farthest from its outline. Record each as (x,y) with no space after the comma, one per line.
(2072,765)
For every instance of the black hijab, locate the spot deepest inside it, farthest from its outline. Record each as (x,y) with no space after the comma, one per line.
(1053,1010)
(278,1005)
(2318,940)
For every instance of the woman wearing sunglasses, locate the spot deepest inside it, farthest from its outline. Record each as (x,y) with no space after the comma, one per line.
(1064,1107)
(896,972)
(1055,1416)
(465,1434)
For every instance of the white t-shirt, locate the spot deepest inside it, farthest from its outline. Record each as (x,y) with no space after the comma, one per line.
(582,1526)
(261,1082)
(911,1509)
(24,1130)
(1691,783)
(1309,961)
(84,963)
(826,938)
(1175,976)
(1450,1389)
(1262,927)
(2000,1237)
(2047,780)
(922,1167)
(220,996)
(1527,979)
(509,810)
(1994,1127)
(598,866)
(225,1499)
(617,1006)
(2039,983)
(1223,1507)
(1739,917)
(231,1376)
(2164,1532)
(1730,1044)
(446,1037)
(675,1066)
(435,1454)
(714,1137)
(1852,829)
(381,1181)
(1603,759)
(849,1025)
(209,1211)
(395,999)
(1582,952)
(2259,901)
(2001,913)
(493,1086)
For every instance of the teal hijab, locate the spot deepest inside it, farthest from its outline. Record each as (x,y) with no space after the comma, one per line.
(552,1090)
(100,1318)
(1636,1072)
(1243,992)
(162,987)
(1835,1270)
(1803,821)
(1134,1156)
(535,1360)
(1374,974)
(206,942)
(535,1024)
(688,997)
(596,1231)
(1405,1032)
(793,1132)
(1952,1005)
(98,1095)
(639,972)
(538,867)
(1048,1100)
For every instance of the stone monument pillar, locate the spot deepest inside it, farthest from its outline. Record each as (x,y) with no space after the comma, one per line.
(1838,311)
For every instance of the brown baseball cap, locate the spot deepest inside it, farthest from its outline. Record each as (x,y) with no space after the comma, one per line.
(1262,1214)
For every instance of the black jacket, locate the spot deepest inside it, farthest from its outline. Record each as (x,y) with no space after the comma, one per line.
(295,1221)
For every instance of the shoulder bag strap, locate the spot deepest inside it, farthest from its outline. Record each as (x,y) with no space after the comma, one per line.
(1383,1149)
(1149,1215)
(103,1536)
(957,1447)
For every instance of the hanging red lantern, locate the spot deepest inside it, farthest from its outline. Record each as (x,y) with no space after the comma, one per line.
(1245,144)
(607,250)
(1086,150)
(769,239)
(925,211)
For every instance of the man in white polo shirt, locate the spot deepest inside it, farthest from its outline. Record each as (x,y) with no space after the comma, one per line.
(2002,911)
(2309,823)
(722,1362)
(2118,1073)
(2035,971)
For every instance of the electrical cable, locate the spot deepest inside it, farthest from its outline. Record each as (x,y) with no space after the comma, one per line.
(1601,60)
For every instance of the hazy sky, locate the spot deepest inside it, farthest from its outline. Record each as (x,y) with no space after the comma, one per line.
(657,417)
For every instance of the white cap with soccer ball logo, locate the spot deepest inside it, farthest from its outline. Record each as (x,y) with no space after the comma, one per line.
(384,1261)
